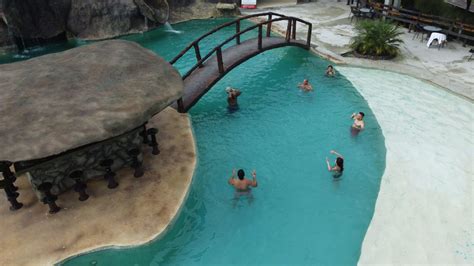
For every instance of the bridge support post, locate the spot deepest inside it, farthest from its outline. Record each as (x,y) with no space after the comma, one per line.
(269,26)
(220,64)
(308,40)
(198,53)
(237,30)
(180,105)
(293,31)
(288,31)
(260,37)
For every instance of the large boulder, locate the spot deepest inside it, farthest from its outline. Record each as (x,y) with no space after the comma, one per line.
(182,10)
(100,19)
(57,102)
(155,10)
(32,19)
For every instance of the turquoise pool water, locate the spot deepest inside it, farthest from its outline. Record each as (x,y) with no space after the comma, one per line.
(298,214)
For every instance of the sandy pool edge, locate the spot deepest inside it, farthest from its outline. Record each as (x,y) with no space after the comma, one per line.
(420,216)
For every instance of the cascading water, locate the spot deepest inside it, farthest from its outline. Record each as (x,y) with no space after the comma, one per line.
(169,28)
(146,24)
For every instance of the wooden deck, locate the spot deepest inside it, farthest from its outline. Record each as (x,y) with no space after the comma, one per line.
(202,79)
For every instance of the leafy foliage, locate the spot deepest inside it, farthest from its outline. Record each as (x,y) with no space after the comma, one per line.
(376,38)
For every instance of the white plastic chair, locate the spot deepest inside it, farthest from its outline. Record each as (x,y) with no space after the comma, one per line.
(439,37)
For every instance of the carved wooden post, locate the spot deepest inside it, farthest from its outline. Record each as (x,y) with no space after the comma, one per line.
(11,195)
(136,164)
(109,175)
(220,64)
(154,144)
(237,31)
(7,184)
(80,186)
(260,37)
(8,174)
(49,198)
(144,135)
(269,25)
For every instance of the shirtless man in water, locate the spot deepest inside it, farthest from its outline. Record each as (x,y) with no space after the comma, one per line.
(232,95)
(243,184)
(305,86)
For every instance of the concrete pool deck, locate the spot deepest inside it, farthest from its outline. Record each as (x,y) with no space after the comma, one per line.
(332,31)
(140,208)
(423,213)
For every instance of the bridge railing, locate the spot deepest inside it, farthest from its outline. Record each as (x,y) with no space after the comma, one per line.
(195,43)
(289,35)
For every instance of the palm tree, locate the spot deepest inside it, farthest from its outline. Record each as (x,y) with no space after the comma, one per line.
(377,38)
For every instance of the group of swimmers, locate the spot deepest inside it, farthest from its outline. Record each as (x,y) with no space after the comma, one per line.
(242,185)
(305,86)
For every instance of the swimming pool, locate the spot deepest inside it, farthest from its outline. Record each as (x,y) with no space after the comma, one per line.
(299,214)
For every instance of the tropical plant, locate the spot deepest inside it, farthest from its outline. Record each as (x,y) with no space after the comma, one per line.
(377,38)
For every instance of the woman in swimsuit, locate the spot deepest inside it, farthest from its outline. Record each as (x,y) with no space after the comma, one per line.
(330,72)
(358,124)
(338,167)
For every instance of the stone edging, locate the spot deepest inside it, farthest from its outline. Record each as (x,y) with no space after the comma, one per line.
(373,57)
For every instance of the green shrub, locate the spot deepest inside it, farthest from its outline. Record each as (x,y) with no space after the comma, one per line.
(376,38)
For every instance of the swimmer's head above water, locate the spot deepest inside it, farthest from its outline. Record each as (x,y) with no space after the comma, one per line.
(241,174)
(358,116)
(340,163)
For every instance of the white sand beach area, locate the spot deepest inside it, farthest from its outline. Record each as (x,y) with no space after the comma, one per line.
(423,213)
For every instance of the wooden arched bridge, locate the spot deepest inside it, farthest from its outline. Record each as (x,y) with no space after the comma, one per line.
(209,69)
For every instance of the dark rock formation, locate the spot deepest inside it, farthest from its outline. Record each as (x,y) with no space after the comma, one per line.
(155,10)
(36,19)
(93,19)
(182,10)
(5,38)
(41,20)
(33,22)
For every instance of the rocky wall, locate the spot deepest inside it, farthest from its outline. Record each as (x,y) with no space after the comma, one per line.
(39,21)
(5,39)
(182,10)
